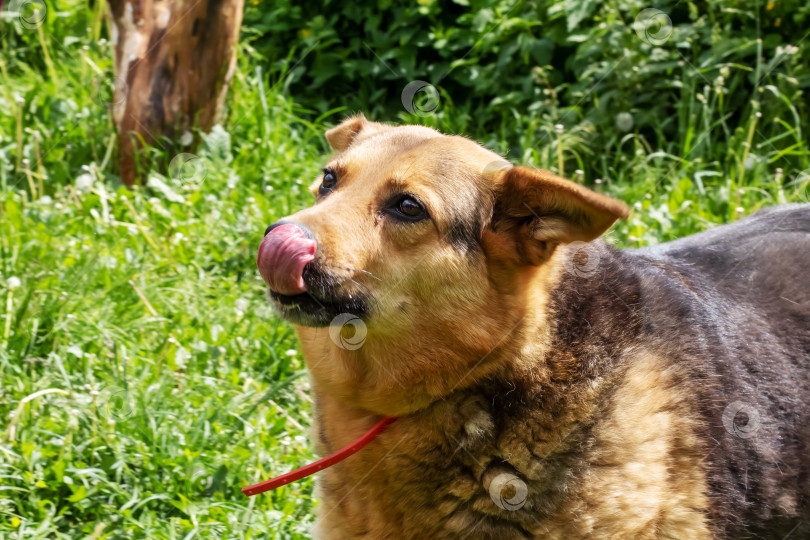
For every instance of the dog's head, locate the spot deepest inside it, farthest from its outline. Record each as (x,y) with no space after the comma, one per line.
(432,241)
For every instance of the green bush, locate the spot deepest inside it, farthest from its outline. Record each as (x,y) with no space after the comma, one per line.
(510,71)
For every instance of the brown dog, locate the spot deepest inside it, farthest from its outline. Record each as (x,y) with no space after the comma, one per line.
(546,386)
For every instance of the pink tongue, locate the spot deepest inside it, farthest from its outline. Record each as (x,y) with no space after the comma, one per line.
(282,256)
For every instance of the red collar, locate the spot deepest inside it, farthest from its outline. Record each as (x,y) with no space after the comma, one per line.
(321,464)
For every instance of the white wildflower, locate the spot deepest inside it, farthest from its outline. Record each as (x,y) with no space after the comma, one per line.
(624,121)
(84,182)
(186,138)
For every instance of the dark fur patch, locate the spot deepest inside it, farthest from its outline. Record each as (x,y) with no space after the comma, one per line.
(733,305)
(729,339)
(465,232)
(467,203)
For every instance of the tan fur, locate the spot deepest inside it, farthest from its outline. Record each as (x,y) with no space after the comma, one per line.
(447,324)
(644,482)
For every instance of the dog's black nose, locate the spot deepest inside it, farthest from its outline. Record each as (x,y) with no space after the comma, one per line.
(279,223)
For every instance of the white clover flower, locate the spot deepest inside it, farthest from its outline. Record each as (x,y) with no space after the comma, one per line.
(215,330)
(14,282)
(109,262)
(84,182)
(186,138)
(750,161)
(624,121)
(181,356)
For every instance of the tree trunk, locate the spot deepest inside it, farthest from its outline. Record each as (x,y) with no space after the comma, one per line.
(173,62)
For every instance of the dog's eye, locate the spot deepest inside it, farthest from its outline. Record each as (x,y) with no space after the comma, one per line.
(409,209)
(328,183)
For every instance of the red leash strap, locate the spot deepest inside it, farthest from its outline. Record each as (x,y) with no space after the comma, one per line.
(321,464)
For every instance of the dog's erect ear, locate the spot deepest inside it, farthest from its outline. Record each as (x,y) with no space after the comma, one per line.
(344,134)
(536,210)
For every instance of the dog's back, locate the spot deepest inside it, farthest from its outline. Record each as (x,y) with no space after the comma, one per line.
(745,289)
(758,259)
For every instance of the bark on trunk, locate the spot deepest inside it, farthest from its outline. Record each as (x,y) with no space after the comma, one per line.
(173,62)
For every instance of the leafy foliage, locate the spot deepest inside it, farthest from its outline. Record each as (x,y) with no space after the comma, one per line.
(509,71)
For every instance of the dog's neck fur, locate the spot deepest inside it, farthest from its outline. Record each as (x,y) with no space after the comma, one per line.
(532,413)
(557,354)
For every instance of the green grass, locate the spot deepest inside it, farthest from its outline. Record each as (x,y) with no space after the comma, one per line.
(138,357)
